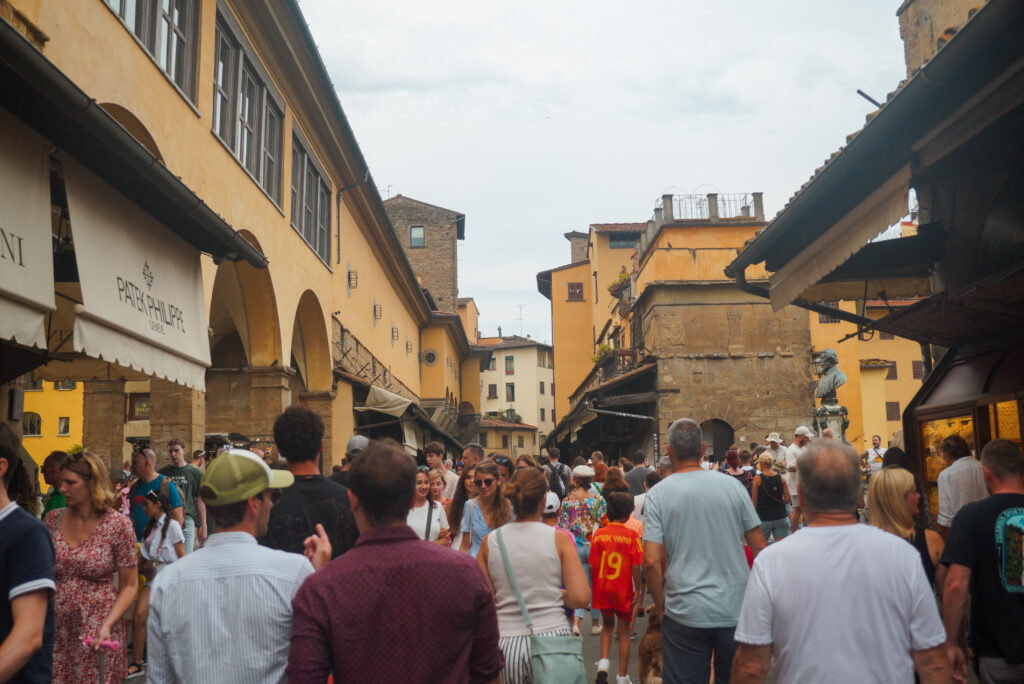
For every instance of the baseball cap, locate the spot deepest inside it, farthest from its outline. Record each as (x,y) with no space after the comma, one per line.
(237,474)
(551,504)
(774,437)
(356,445)
(805,431)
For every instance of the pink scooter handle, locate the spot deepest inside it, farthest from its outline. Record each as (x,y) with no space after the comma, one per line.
(112,645)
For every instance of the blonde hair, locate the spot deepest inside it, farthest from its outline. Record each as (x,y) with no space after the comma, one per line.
(766,461)
(887,494)
(91,469)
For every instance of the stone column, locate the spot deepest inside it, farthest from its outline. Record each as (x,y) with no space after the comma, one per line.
(322,404)
(269,394)
(176,411)
(103,420)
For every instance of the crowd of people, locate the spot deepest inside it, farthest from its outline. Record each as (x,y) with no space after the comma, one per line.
(483,570)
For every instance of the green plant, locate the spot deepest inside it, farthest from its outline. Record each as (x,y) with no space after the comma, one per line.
(602,350)
(619,280)
(75,449)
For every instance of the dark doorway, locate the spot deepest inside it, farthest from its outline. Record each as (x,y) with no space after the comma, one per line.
(718,436)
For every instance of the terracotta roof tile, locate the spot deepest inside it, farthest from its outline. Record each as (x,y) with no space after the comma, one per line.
(618,227)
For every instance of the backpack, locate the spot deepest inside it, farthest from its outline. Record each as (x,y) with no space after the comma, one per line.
(557,482)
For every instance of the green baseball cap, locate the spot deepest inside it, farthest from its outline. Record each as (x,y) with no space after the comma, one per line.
(236,475)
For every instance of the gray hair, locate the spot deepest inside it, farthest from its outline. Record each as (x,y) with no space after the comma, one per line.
(664,465)
(829,475)
(476,449)
(684,439)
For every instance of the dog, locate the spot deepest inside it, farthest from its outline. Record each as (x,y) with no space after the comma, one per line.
(649,652)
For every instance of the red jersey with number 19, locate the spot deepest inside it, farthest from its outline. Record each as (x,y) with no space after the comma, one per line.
(614,550)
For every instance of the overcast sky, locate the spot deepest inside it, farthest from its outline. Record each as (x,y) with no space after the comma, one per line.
(537,118)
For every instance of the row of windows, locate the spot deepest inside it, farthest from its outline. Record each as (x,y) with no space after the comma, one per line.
(510,390)
(167,29)
(37,384)
(520,441)
(32,425)
(916,370)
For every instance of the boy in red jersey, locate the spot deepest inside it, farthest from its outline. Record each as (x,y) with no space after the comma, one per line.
(616,558)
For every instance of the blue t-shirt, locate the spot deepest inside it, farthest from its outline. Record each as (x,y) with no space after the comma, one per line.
(26,565)
(476,523)
(700,517)
(139,491)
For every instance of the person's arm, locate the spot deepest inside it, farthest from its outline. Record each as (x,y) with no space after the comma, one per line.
(750,666)
(954,607)
(935,548)
(931,666)
(179,548)
(786,496)
(28,612)
(577,591)
(654,562)
(945,517)
(128,581)
(467,537)
(755,540)
(638,588)
(754,486)
(317,548)
(481,559)
(201,532)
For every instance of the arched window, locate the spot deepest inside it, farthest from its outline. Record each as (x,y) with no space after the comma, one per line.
(31,424)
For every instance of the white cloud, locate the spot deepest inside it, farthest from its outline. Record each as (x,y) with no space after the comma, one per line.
(535,119)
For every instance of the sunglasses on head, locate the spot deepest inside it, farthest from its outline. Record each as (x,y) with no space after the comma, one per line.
(422,469)
(501,460)
(486,482)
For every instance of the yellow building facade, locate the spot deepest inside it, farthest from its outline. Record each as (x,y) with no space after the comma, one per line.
(508,439)
(53,418)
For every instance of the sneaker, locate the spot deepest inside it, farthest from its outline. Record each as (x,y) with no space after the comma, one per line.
(575,629)
(623,679)
(603,665)
(596,629)
(632,635)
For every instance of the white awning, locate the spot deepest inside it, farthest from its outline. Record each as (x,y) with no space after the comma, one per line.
(141,285)
(412,442)
(386,402)
(879,210)
(26,234)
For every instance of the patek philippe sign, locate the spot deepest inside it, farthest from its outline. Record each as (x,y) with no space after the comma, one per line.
(139,280)
(26,251)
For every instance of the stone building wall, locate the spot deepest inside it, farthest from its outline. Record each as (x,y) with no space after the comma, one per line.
(924,22)
(435,263)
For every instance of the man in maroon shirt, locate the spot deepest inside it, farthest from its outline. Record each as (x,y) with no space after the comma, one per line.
(394,608)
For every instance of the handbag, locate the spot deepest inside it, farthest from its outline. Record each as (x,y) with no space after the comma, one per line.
(555,659)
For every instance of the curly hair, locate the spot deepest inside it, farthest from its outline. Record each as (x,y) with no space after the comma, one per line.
(90,468)
(298,433)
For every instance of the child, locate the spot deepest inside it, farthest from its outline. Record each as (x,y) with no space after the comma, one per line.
(616,557)
(163,542)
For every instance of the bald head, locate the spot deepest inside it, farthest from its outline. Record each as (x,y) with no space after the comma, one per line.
(829,476)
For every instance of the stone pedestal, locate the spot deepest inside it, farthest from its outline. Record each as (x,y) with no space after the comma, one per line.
(322,404)
(176,411)
(269,394)
(832,417)
(103,406)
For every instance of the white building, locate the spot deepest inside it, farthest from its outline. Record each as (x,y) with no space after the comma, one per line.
(519,382)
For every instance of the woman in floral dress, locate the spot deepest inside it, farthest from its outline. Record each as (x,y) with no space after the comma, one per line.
(93,543)
(581,515)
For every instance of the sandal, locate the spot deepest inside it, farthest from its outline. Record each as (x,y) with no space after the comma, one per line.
(136,668)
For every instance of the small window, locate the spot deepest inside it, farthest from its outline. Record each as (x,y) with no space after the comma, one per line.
(510,365)
(892,410)
(63,426)
(892,375)
(483,439)
(416,237)
(504,441)
(521,441)
(882,335)
(542,414)
(510,391)
(917,368)
(623,240)
(542,387)
(64,384)
(825,318)
(33,384)
(492,391)
(493,364)
(575,292)
(31,424)
(138,407)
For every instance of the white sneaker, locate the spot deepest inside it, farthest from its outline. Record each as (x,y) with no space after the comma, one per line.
(595,629)
(623,679)
(603,665)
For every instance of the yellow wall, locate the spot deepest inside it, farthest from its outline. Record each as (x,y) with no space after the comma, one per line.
(470,390)
(52,404)
(872,384)
(571,331)
(494,436)
(439,379)
(470,316)
(607,263)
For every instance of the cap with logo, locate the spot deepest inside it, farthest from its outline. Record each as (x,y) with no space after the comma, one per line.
(236,475)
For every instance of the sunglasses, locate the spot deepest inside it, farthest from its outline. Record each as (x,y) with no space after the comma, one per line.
(501,460)
(422,469)
(486,482)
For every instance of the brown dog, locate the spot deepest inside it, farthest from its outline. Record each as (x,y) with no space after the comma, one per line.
(649,652)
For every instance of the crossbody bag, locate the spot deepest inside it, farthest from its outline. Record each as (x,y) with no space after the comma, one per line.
(555,659)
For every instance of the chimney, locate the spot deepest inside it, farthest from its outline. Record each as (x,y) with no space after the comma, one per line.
(713,206)
(759,206)
(666,204)
(659,219)
(745,211)
(499,331)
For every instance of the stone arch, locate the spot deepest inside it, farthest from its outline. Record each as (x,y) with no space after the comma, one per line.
(718,435)
(311,348)
(243,313)
(132,124)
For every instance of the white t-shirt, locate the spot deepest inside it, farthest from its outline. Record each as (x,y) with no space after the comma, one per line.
(875,458)
(793,452)
(417,520)
(151,544)
(451,481)
(638,506)
(843,604)
(963,482)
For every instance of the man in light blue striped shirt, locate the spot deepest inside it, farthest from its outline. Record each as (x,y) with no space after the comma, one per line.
(223,614)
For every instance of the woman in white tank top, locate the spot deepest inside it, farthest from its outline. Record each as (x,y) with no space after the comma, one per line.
(543,561)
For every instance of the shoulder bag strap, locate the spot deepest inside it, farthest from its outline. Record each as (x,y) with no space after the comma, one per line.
(512,581)
(430,514)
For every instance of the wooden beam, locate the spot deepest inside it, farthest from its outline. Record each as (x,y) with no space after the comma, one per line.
(627,399)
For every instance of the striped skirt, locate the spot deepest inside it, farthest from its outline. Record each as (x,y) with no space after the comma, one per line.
(516,649)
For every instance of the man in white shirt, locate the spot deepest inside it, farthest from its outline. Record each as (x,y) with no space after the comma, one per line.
(231,624)
(434,452)
(802,436)
(775,448)
(873,456)
(860,608)
(961,483)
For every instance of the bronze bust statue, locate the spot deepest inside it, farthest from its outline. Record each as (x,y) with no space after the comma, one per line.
(832,378)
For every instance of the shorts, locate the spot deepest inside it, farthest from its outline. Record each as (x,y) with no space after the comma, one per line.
(625,615)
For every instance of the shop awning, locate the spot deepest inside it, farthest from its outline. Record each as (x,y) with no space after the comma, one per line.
(26,250)
(381,400)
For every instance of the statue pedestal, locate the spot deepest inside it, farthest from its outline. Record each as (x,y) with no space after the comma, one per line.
(832,417)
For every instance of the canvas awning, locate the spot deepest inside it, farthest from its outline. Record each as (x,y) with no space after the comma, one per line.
(381,400)
(26,252)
